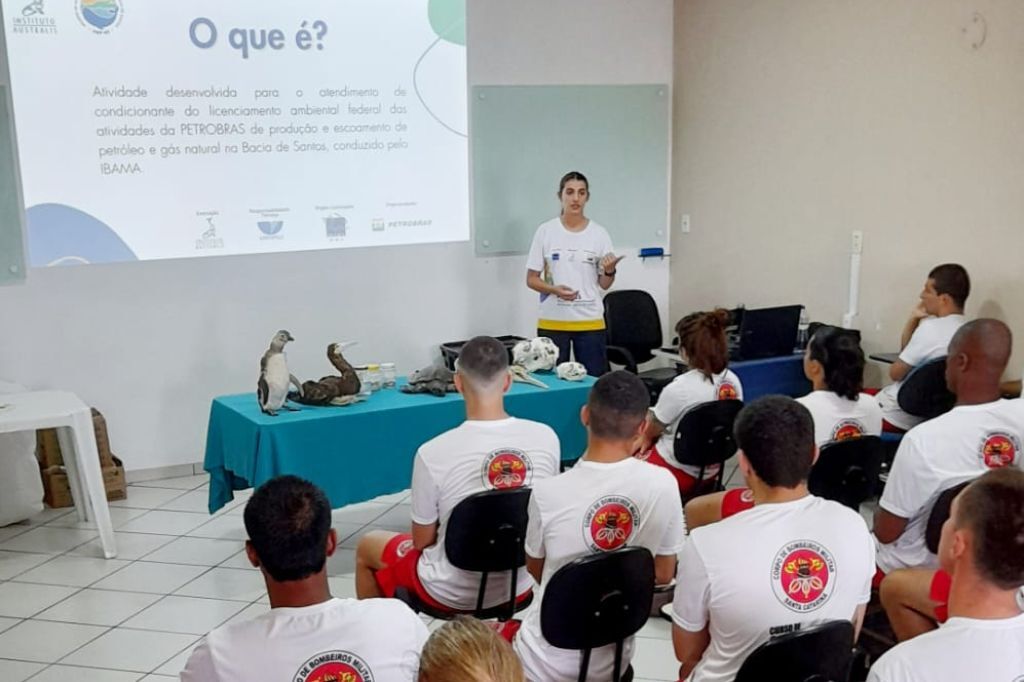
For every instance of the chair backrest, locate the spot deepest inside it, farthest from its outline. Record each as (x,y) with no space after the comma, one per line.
(632,322)
(820,653)
(847,470)
(924,393)
(704,435)
(486,531)
(598,599)
(938,515)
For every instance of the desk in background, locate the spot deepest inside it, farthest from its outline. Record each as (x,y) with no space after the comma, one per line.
(361,451)
(783,375)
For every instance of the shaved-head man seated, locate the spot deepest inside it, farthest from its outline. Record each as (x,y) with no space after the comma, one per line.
(982,550)
(980,433)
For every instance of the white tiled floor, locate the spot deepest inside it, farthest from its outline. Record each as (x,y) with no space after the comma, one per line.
(65,613)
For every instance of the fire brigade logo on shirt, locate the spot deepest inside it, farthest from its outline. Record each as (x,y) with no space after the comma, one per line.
(609,523)
(803,575)
(999,450)
(847,429)
(507,468)
(727,391)
(334,666)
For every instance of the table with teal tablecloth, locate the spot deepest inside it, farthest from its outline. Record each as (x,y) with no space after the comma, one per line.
(360,451)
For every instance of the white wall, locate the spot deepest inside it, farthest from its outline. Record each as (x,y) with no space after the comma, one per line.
(798,121)
(150,344)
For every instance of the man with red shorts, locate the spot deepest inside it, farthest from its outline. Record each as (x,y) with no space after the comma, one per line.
(982,556)
(489,451)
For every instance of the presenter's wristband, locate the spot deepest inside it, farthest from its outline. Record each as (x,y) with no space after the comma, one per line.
(609,274)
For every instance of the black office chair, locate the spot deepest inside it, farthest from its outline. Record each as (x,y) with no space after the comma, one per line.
(485,534)
(924,393)
(821,653)
(941,509)
(598,600)
(704,438)
(847,470)
(633,327)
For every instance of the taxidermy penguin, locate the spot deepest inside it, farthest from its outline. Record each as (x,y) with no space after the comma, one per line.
(272,388)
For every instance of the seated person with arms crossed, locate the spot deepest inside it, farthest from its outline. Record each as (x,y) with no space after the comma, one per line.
(608,500)
(489,451)
(704,349)
(982,432)
(793,560)
(307,634)
(982,550)
(834,364)
(926,334)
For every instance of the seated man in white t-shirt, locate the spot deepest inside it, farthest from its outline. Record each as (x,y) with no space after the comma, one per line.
(489,451)
(926,334)
(834,364)
(982,549)
(981,432)
(792,561)
(307,635)
(704,349)
(608,500)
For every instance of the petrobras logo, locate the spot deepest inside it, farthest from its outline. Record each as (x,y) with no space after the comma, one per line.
(100,16)
(33,20)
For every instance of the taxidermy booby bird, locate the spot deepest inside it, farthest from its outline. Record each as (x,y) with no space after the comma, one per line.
(272,388)
(332,390)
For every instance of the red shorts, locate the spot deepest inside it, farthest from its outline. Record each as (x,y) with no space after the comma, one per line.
(400,559)
(942,582)
(737,500)
(685,481)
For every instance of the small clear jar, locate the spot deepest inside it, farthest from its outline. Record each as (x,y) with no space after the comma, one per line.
(364,385)
(373,377)
(387,374)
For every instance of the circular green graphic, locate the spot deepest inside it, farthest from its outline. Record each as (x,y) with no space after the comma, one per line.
(448,19)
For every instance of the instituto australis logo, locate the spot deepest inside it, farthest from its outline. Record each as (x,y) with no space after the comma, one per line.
(102,16)
(33,20)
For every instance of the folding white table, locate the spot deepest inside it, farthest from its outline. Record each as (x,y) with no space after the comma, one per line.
(72,418)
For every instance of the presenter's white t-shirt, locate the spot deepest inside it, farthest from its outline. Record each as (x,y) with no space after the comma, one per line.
(593,508)
(955,447)
(471,458)
(687,391)
(961,649)
(571,259)
(838,418)
(769,571)
(929,341)
(341,639)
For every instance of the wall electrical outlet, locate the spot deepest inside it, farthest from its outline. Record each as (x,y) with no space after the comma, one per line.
(684,224)
(858,242)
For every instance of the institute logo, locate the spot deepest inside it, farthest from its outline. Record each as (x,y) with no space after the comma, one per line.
(270,227)
(727,391)
(34,20)
(334,666)
(803,575)
(507,468)
(102,16)
(208,239)
(999,450)
(609,523)
(848,429)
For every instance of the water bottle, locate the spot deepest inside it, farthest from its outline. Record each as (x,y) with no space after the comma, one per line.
(801,333)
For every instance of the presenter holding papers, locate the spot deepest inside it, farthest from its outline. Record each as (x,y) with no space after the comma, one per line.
(570,262)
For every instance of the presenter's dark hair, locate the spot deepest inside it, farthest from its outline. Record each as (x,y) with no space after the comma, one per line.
(839,352)
(573,175)
(618,404)
(482,360)
(288,520)
(992,508)
(952,279)
(776,434)
(702,336)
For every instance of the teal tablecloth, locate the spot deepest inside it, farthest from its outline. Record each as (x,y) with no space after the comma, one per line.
(358,452)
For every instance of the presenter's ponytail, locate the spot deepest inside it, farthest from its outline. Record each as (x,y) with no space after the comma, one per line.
(702,336)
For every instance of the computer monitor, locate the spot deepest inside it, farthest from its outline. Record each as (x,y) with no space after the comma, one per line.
(768,332)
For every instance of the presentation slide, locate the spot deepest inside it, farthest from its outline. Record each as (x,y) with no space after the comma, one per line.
(150,130)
